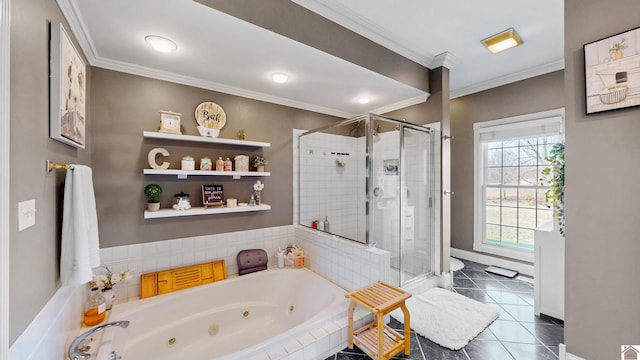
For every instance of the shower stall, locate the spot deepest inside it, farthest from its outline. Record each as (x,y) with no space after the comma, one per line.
(374,180)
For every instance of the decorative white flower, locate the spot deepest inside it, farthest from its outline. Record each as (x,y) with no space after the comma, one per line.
(258,186)
(109,279)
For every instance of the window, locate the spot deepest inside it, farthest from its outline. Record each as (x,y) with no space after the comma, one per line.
(509,200)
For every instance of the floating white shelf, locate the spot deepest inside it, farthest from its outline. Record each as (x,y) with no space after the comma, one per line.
(197,138)
(182,174)
(165,213)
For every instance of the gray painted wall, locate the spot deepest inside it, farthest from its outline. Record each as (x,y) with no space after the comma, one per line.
(532,95)
(35,251)
(602,218)
(123,106)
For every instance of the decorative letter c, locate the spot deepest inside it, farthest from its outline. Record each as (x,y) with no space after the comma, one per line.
(152,158)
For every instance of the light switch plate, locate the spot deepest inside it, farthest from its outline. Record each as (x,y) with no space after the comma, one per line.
(26,214)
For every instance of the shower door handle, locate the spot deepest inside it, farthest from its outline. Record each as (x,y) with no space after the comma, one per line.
(448,192)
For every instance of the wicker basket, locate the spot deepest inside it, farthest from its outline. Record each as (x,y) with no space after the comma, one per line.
(614,94)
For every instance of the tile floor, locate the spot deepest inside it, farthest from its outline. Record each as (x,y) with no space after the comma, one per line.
(517,334)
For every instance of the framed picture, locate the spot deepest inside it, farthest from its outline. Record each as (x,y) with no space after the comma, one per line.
(212,195)
(612,72)
(67,90)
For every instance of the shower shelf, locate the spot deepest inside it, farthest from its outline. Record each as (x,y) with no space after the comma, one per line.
(165,213)
(197,138)
(183,174)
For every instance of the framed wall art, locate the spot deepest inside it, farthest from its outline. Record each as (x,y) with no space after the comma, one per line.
(612,72)
(67,90)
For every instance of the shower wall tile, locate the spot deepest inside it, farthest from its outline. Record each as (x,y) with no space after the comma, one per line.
(330,189)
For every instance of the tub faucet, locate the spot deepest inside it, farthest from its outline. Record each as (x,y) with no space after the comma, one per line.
(77,352)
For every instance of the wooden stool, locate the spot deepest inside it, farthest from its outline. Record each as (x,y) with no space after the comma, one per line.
(376,339)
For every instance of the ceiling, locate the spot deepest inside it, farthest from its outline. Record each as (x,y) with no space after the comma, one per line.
(219,52)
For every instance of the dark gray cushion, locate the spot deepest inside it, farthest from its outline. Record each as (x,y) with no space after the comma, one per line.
(251,260)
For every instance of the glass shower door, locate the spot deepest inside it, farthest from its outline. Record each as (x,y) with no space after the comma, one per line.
(417,202)
(384,209)
(401,208)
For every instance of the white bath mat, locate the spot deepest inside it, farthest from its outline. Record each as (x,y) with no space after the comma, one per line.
(455,264)
(447,318)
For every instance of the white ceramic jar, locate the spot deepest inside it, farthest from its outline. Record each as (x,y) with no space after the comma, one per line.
(188,163)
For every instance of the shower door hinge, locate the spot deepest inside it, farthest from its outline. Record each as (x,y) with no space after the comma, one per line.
(430,202)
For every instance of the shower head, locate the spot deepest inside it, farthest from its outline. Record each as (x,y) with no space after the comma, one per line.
(376,131)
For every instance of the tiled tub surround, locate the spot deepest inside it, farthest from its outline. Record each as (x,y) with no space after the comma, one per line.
(167,254)
(345,263)
(277,313)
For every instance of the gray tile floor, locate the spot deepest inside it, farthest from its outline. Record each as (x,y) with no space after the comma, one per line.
(517,334)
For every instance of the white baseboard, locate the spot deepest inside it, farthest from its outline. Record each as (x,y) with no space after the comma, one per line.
(564,355)
(525,269)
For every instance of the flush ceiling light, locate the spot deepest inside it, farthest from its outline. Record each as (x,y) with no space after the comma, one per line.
(279,78)
(502,41)
(364,100)
(158,43)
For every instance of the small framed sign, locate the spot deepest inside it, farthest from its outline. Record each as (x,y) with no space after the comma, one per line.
(212,195)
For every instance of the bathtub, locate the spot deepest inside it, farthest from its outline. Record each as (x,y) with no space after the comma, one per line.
(238,318)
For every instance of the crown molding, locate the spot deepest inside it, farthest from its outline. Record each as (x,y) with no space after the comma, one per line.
(445,59)
(507,79)
(78,28)
(401,104)
(343,16)
(210,85)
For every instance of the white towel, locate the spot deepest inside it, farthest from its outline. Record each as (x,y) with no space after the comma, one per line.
(80,243)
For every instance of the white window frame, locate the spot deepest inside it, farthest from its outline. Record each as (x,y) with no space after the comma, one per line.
(479,216)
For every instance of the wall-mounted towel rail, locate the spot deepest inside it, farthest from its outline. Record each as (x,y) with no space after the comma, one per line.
(53,166)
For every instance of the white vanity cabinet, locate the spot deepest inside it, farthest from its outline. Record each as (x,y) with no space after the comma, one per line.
(549,272)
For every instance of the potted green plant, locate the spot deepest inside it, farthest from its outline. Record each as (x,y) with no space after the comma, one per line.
(259,162)
(554,178)
(240,134)
(153,191)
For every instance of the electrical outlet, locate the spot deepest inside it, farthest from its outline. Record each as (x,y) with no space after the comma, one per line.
(26,214)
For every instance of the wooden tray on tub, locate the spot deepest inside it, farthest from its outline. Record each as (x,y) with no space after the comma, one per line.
(166,281)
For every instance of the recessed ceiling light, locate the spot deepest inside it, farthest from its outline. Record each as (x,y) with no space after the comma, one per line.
(158,43)
(279,78)
(364,100)
(502,41)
